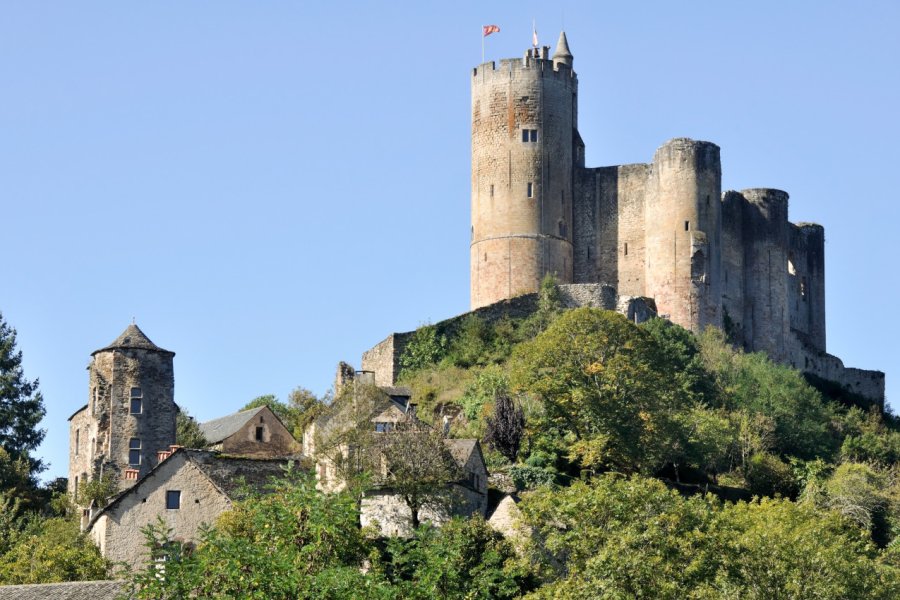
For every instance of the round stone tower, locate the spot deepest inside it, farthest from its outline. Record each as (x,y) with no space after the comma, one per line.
(523,144)
(130,413)
(766,291)
(683,217)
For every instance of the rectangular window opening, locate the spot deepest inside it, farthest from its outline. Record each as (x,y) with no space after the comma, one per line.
(137,401)
(530,190)
(687,225)
(259,434)
(529,135)
(173,499)
(492,190)
(134,452)
(77,440)
(626,248)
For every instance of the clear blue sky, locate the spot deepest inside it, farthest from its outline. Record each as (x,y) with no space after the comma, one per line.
(272,187)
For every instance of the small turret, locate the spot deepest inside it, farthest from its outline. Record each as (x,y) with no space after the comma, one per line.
(562,55)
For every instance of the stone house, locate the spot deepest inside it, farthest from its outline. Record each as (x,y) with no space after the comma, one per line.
(364,410)
(257,432)
(186,489)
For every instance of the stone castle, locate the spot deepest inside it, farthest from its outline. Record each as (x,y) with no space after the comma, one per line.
(662,230)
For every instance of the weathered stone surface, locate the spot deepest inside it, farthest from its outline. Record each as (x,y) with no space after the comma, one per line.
(101,434)
(661,230)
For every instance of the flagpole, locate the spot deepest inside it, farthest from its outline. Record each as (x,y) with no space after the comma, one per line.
(482,45)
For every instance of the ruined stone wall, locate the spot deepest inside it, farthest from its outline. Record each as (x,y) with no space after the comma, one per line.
(522,187)
(118,533)
(733,309)
(114,373)
(806,282)
(683,233)
(384,358)
(392,515)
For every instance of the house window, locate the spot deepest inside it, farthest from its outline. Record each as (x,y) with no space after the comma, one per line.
(77,440)
(383,427)
(492,190)
(137,401)
(530,190)
(529,135)
(626,248)
(134,452)
(687,225)
(259,434)
(803,289)
(173,499)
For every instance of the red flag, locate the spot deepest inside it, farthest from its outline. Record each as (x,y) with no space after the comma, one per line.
(489,29)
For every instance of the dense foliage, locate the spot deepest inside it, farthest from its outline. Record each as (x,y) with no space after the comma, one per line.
(21,410)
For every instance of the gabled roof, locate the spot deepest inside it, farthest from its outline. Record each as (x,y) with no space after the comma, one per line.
(228,474)
(461,450)
(224,427)
(74,590)
(133,338)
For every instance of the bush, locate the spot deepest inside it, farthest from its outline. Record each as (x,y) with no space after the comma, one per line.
(767,475)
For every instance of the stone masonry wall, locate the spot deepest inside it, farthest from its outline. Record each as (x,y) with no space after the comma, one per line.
(114,373)
(522,187)
(276,440)
(118,533)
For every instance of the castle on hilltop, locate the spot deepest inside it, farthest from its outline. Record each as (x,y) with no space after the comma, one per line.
(662,230)
(655,238)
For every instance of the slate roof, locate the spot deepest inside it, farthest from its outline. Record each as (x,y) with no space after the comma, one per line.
(224,427)
(75,590)
(133,337)
(230,473)
(461,450)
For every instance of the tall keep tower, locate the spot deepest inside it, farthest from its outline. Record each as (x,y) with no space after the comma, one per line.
(130,413)
(525,147)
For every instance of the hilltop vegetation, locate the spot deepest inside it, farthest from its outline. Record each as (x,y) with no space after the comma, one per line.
(649,462)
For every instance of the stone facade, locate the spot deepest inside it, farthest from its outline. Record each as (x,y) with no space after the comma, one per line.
(257,433)
(206,484)
(662,230)
(130,413)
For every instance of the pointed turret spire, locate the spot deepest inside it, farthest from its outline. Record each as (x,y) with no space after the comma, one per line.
(133,337)
(562,55)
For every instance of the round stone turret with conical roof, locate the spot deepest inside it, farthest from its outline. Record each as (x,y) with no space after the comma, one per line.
(130,413)
(562,55)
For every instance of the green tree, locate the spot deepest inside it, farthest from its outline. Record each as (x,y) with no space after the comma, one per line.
(619,537)
(424,348)
(463,559)
(803,423)
(187,431)
(21,403)
(51,550)
(417,467)
(593,371)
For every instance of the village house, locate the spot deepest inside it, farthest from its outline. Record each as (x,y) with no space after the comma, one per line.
(257,432)
(186,489)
